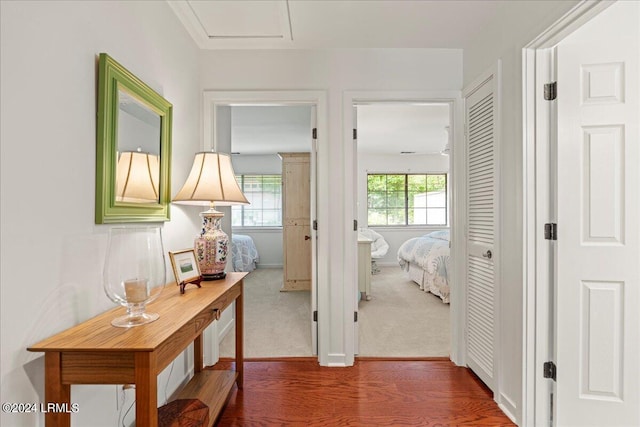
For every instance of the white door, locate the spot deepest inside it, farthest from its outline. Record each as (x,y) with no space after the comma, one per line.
(481,103)
(356,327)
(314,233)
(598,247)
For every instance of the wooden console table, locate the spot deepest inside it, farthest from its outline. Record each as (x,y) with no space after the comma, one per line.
(94,352)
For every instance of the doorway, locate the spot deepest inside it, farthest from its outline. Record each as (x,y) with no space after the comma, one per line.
(261,118)
(359,105)
(272,151)
(403,205)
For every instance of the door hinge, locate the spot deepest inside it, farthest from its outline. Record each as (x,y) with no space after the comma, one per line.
(355,316)
(314,133)
(551,231)
(549,370)
(355,134)
(550,91)
(315,315)
(355,225)
(315,224)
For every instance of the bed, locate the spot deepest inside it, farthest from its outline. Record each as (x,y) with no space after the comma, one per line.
(244,253)
(426,261)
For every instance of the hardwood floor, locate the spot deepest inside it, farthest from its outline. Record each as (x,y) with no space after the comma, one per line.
(298,392)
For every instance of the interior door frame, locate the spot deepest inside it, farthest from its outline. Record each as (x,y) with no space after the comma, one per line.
(538,189)
(458,210)
(211,99)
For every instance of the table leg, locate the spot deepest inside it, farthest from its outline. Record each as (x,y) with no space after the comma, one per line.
(198,355)
(240,337)
(146,390)
(55,391)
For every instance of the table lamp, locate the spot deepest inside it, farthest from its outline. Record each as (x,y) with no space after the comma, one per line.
(211,182)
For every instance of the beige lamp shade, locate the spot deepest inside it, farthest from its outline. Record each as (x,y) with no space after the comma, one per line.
(211,181)
(137,176)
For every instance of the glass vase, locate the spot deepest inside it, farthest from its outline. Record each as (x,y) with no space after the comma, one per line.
(134,272)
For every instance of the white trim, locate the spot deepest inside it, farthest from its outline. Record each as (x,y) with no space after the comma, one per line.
(536,68)
(509,409)
(212,99)
(458,315)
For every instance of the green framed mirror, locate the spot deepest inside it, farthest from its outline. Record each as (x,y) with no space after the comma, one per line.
(133,153)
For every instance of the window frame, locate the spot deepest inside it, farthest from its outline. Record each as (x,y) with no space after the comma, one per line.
(241,183)
(407,208)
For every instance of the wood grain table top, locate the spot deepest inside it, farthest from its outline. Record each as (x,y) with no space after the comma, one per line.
(175,310)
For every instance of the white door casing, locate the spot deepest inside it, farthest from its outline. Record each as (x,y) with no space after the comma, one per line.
(314,234)
(457,307)
(356,325)
(598,248)
(320,282)
(482,195)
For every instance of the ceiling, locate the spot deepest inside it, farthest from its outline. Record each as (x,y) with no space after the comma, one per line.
(270,129)
(383,128)
(391,128)
(328,24)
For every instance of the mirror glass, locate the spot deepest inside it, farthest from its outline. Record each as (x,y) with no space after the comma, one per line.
(133,152)
(137,170)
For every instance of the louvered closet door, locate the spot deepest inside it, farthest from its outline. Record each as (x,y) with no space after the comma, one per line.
(481,227)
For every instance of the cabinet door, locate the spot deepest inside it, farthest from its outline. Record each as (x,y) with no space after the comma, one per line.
(296,221)
(298,256)
(297,197)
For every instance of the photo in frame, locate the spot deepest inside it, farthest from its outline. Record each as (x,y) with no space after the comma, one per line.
(185,268)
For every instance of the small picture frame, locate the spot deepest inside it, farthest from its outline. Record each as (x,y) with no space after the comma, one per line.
(185,268)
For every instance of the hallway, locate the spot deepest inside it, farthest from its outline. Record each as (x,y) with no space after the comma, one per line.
(298,392)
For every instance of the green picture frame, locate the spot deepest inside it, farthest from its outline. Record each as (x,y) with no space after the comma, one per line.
(115,81)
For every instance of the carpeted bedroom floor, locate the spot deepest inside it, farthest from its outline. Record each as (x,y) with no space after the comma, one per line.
(400,320)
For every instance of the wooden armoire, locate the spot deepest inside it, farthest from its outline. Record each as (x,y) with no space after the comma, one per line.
(296,221)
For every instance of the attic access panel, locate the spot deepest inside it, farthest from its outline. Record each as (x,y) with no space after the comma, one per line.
(227,19)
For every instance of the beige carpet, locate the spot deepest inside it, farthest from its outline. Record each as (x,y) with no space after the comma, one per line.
(399,321)
(276,324)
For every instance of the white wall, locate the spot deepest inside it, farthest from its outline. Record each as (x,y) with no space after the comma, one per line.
(52,252)
(335,71)
(518,23)
(385,163)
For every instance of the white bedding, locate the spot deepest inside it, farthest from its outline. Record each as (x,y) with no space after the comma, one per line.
(244,253)
(426,261)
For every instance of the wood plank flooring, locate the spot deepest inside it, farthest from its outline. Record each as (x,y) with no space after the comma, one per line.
(299,392)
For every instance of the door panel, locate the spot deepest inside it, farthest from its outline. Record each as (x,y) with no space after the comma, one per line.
(481,200)
(598,247)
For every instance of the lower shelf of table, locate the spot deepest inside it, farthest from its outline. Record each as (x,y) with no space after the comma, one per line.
(210,387)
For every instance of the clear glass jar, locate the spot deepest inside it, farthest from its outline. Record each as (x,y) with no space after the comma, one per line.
(134,272)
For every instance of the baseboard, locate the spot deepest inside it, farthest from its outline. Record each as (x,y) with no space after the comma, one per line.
(401,359)
(387,264)
(507,406)
(337,360)
(269,266)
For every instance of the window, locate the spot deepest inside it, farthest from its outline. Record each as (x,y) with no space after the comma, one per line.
(407,199)
(264,193)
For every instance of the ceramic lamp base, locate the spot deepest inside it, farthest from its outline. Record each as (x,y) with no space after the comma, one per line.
(215,276)
(212,246)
